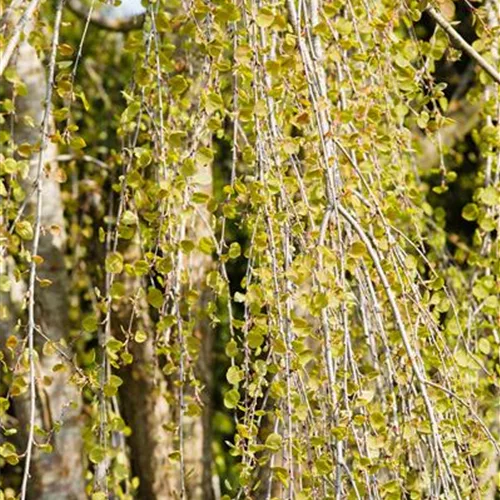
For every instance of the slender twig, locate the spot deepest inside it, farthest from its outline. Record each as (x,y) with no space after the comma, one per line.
(476,417)
(417,370)
(6,55)
(36,242)
(87,158)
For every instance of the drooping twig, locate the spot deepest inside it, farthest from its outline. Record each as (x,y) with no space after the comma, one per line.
(474,415)
(14,39)
(36,241)
(417,370)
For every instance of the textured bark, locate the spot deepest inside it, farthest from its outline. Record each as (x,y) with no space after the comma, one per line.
(143,405)
(149,415)
(146,411)
(198,437)
(205,369)
(56,475)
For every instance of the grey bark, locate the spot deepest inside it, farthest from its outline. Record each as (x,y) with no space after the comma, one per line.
(56,475)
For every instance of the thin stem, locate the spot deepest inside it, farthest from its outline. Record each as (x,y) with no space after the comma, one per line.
(6,55)
(36,242)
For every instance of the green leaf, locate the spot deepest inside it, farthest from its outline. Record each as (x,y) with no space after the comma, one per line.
(140,336)
(234,375)
(484,346)
(130,112)
(480,291)
(141,267)
(290,147)
(231,399)
(489,196)
(411,262)
(97,454)
(200,197)
(178,84)
(462,359)
(274,442)
(187,246)
(206,245)
(204,156)
(83,98)
(265,17)
(115,381)
(117,291)
(234,250)
(25,230)
(255,339)
(231,349)
(214,102)
(129,218)
(114,345)
(357,250)
(11,166)
(470,212)
(164,265)
(89,323)
(145,158)
(323,465)
(155,297)
(25,150)
(114,263)
(4,406)
(423,119)
(77,143)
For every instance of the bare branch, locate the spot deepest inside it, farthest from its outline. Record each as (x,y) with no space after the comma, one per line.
(36,241)
(462,44)
(6,55)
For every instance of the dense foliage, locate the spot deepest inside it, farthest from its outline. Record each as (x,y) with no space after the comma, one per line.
(249,249)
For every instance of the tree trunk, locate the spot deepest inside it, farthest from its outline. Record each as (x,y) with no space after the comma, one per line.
(59,474)
(151,418)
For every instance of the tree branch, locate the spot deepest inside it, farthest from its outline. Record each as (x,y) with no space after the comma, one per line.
(6,54)
(460,43)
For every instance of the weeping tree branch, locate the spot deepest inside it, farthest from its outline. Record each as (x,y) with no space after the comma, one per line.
(6,54)
(101,20)
(460,43)
(36,241)
(412,355)
(55,408)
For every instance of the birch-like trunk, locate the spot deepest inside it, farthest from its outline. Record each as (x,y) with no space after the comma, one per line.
(57,475)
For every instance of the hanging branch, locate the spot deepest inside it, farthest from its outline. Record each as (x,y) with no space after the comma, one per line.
(6,55)
(412,356)
(462,44)
(36,241)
